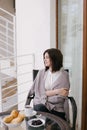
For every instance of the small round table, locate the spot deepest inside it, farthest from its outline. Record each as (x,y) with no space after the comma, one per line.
(52,122)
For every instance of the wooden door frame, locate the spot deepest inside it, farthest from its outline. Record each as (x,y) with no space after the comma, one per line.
(84,77)
(84,63)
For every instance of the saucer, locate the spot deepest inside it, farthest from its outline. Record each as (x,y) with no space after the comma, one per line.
(32,114)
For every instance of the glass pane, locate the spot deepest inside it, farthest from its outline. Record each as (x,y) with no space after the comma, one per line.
(70,35)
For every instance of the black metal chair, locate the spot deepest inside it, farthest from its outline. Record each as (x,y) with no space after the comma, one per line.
(71,99)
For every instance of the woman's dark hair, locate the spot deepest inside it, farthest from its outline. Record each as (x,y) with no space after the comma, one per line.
(56,58)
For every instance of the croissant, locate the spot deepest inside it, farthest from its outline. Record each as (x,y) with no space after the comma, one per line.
(14,117)
(8,119)
(18,119)
(14,113)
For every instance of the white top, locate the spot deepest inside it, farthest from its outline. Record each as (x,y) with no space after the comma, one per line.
(50,78)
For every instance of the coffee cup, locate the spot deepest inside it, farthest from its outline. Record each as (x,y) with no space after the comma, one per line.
(28,110)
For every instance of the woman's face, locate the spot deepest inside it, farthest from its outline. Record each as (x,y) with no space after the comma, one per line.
(47,60)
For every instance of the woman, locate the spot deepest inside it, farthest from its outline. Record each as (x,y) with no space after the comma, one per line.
(51,85)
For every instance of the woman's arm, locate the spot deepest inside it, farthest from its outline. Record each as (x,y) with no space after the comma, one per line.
(61,91)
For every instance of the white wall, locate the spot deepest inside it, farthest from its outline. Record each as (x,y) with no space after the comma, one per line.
(33,27)
(34,30)
(53,23)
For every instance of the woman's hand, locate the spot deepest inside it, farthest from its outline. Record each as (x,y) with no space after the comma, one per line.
(61,91)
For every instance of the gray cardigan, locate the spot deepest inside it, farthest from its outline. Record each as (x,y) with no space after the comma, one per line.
(58,103)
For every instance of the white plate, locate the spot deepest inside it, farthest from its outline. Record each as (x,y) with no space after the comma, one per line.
(32,114)
(11,125)
(35,119)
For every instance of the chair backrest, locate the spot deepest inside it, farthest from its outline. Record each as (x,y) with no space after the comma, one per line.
(35,73)
(74,112)
(72,101)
